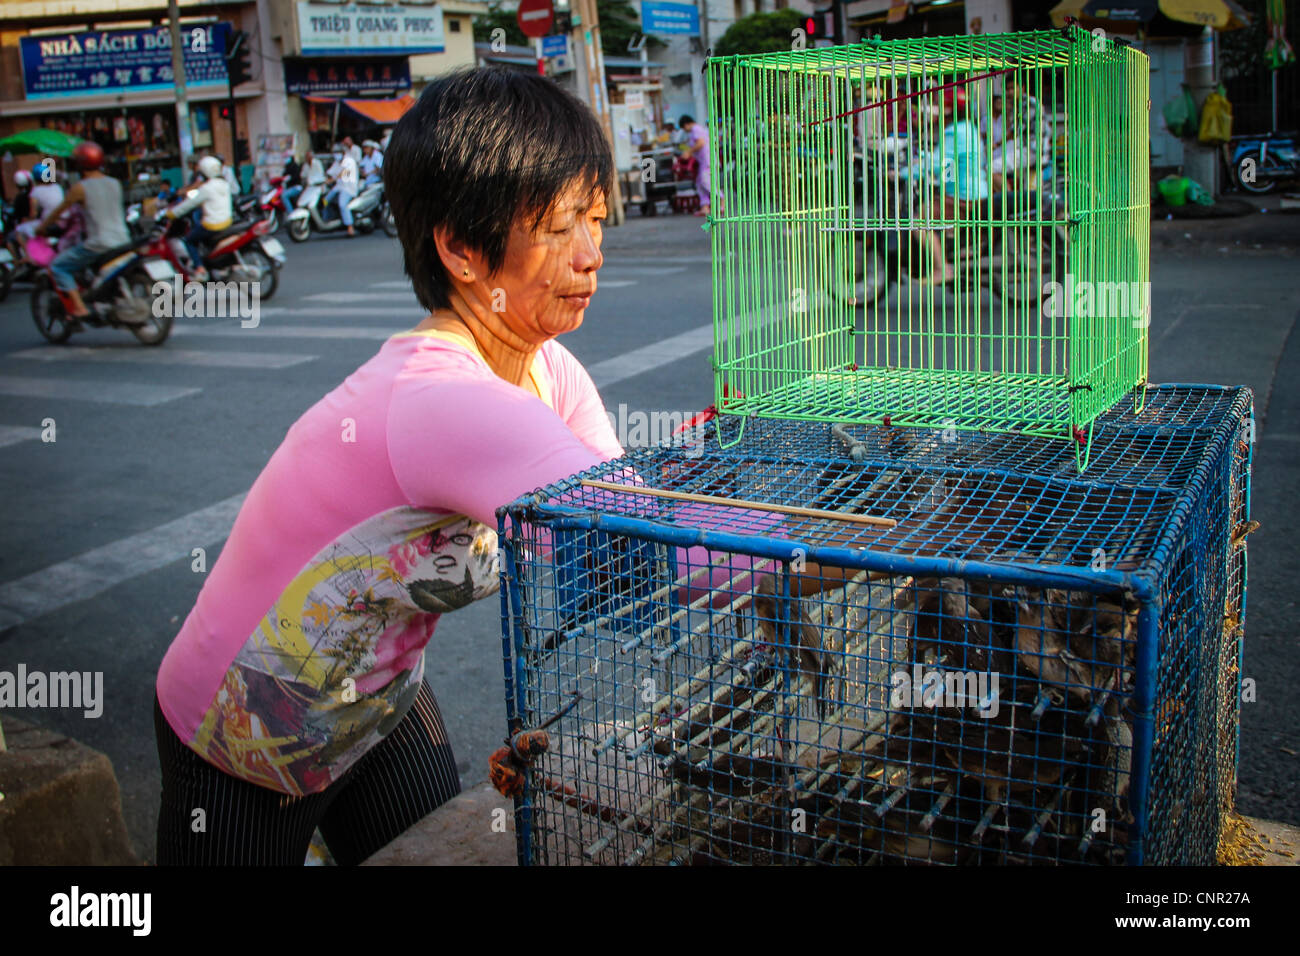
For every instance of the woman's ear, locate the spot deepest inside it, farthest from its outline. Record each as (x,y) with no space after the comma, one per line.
(454,253)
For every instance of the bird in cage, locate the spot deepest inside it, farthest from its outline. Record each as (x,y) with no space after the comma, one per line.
(1075,640)
(813,658)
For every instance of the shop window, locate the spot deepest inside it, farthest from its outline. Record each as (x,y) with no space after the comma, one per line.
(453,25)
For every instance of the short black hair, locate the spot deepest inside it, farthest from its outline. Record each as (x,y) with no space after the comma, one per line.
(480,148)
(685,119)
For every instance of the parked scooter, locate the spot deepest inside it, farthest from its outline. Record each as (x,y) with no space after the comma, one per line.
(117,288)
(311,213)
(245,252)
(1260,163)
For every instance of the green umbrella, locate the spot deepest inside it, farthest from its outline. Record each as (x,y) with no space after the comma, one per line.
(47,142)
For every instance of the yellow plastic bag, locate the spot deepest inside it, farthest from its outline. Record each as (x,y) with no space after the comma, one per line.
(1216,119)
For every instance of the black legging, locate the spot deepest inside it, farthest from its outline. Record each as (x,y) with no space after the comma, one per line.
(399,781)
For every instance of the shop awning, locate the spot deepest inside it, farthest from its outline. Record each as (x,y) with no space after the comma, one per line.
(1220,14)
(380,112)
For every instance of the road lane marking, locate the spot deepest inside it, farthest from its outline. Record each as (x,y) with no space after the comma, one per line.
(666,351)
(13,434)
(166,356)
(352,311)
(355,297)
(296,332)
(113,393)
(654,355)
(96,571)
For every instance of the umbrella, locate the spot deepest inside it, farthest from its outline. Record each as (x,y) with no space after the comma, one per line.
(1219,14)
(47,142)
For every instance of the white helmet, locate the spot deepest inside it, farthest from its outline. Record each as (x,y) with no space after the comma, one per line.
(22,179)
(210,167)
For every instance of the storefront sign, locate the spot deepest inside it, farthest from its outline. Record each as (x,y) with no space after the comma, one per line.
(659,16)
(331,29)
(344,78)
(119,61)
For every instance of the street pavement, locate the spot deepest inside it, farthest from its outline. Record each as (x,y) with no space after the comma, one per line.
(156,447)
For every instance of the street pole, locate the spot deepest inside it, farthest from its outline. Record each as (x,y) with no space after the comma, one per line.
(234,122)
(592,60)
(185,141)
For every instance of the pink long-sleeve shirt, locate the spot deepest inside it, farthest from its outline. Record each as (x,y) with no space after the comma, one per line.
(375,515)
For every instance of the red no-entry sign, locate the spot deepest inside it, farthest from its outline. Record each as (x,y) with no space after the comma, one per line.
(535,17)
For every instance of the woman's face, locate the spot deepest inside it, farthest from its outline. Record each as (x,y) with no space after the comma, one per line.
(549,275)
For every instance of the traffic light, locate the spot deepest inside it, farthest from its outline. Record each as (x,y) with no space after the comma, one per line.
(239,58)
(824,25)
(224,111)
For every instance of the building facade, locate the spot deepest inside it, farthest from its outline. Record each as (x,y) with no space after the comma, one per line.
(101,69)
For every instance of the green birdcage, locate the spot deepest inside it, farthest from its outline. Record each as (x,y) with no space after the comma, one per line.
(947,232)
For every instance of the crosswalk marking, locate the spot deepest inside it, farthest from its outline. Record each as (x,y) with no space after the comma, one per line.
(100,569)
(112,393)
(13,434)
(164,356)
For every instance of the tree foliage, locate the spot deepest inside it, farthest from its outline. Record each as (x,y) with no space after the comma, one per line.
(619,24)
(760,33)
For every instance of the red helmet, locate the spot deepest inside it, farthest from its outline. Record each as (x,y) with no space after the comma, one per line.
(955,100)
(88,155)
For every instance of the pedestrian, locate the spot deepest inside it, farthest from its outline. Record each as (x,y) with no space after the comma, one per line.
(294,696)
(697,145)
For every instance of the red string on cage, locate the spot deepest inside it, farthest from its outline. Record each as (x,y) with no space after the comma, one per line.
(905,96)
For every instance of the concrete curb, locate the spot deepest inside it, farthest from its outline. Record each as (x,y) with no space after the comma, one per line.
(61,805)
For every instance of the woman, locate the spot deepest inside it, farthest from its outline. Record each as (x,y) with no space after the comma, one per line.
(697,145)
(293,697)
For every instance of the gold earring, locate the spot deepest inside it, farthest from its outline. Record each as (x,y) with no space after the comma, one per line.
(466,273)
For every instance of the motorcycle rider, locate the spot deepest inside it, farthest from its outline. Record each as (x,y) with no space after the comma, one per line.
(214,196)
(100,198)
(22,207)
(43,196)
(345,189)
(372,163)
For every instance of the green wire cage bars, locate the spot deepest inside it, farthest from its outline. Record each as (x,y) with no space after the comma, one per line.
(946,232)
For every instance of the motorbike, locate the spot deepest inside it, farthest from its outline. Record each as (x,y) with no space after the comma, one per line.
(1010,259)
(17,266)
(117,288)
(244,252)
(1260,162)
(269,205)
(368,211)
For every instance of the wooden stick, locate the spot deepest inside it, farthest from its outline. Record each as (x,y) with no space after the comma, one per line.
(740,503)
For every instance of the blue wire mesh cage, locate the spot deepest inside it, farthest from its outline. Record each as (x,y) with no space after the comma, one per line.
(1004,662)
